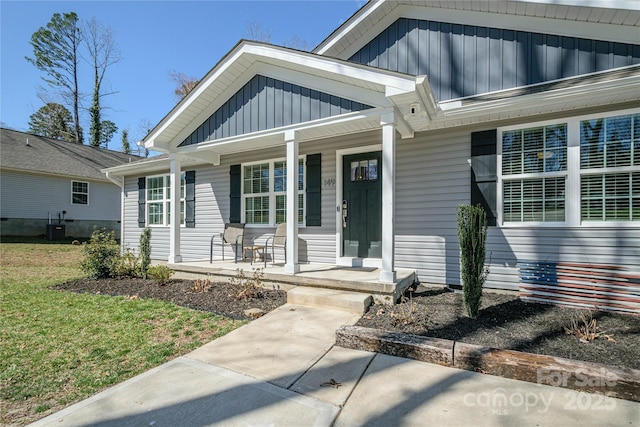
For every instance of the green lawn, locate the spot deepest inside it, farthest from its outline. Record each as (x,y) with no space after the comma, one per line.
(57,348)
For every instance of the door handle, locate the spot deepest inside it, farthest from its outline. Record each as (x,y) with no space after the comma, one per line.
(344,214)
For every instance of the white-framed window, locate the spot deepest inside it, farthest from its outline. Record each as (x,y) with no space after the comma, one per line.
(264,192)
(582,170)
(534,170)
(159,200)
(610,168)
(79,193)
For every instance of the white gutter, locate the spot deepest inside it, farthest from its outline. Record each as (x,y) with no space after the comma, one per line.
(117,180)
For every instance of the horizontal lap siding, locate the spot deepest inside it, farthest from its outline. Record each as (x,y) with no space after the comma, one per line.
(432,179)
(611,246)
(35,196)
(212,211)
(321,241)
(131,238)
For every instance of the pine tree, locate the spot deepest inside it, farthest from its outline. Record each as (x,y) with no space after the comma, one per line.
(55,51)
(53,121)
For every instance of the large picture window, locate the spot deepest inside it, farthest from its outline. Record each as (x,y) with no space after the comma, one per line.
(264,192)
(585,170)
(159,200)
(534,165)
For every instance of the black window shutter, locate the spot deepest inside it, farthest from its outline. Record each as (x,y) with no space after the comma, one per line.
(314,190)
(190,199)
(484,176)
(235,185)
(142,183)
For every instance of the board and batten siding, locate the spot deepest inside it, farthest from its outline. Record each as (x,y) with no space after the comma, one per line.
(466,60)
(35,196)
(267,103)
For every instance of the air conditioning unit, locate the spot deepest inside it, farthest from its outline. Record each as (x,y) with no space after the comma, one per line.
(56,231)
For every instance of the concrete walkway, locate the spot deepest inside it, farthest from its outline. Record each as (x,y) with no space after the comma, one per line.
(283,370)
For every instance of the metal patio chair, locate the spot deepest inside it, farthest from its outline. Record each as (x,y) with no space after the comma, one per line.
(233,236)
(278,239)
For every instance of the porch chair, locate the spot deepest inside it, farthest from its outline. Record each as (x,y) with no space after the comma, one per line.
(279,239)
(233,236)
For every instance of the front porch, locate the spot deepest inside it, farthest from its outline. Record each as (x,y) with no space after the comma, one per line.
(352,279)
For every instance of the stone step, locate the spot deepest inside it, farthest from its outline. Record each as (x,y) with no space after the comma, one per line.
(352,302)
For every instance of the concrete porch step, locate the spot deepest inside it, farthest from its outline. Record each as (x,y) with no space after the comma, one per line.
(352,302)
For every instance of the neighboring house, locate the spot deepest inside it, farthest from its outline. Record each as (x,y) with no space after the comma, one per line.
(46,181)
(404,112)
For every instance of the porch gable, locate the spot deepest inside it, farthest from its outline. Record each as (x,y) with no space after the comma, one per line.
(265,103)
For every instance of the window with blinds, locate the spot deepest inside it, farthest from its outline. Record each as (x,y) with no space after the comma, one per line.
(534,165)
(264,192)
(158,200)
(610,168)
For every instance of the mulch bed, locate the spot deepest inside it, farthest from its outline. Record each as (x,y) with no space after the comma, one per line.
(218,299)
(504,322)
(508,323)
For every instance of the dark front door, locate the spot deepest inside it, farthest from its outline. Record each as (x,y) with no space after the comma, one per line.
(362,193)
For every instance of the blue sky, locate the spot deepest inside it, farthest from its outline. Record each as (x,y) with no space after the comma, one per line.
(154,37)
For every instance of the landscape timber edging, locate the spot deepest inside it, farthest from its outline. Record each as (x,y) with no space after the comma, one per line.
(536,368)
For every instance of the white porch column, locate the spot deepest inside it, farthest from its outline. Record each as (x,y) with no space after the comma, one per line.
(174,226)
(292,266)
(388,273)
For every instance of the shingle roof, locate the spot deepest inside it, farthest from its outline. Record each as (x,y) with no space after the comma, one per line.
(46,155)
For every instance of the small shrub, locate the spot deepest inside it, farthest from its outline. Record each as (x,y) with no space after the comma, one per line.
(586,329)
(472,236)
(160,273)
(201,285)
(145,251)
(249,288)
(101,255)
(407,311)
(127,265)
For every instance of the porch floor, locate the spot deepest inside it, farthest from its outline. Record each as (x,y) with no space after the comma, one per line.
(355,279)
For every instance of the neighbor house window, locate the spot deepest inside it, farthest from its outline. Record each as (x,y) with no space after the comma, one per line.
(534,170)
(264,192)
(79,193)
(610,168)
(159,200)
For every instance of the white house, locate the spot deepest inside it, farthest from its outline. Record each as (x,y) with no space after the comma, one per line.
(407,110)
(44,182)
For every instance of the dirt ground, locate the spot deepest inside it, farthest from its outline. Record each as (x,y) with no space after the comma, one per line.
(219,298)
(504,321)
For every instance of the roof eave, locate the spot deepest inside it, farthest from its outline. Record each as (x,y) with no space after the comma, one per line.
(568,99)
